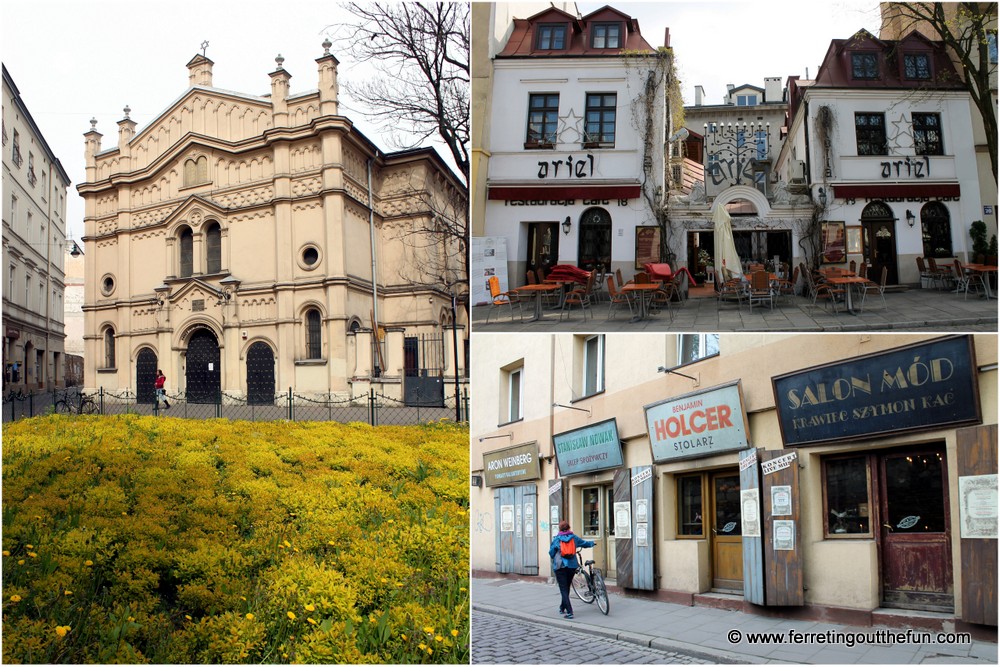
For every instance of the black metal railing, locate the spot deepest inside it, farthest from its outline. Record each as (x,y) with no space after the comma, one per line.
(375,408)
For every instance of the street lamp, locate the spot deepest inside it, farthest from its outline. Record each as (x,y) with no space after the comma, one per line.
(566,225)
(910,218)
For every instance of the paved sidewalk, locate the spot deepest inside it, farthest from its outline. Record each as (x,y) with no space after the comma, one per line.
(910,310)
(704,631)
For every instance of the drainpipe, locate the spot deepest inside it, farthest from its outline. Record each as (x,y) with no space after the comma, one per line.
(371,232)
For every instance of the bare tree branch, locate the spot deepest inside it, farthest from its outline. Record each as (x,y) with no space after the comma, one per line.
(421,52)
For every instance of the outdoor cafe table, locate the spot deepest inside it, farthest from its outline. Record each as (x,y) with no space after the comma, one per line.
(986,269)
(846,278)
(538,290)
(643,290)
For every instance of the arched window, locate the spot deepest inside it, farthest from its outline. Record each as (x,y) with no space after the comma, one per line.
(595,239)
(935,224)
(196,171)
(314,335)
(187,252)
(213,246)
(109,347)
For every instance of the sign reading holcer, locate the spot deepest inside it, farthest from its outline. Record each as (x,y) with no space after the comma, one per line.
(699,424)
(588,449)
(911,388)
(511,465)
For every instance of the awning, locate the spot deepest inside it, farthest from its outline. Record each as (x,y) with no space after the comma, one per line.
(563,192)
(880,191)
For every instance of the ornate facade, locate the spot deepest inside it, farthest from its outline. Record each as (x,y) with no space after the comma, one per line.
(247,244)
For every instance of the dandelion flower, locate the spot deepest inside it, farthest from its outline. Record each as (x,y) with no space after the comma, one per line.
(429,650)
(310,607)
(6,553)
(399,584)
(331,543)
(428,629)
(32,554)
(15,598)
(291,615)
(384,580)
(249,617)
(68,592)
(454,633)
(88,563)
(439,638)
(404,637)
(29,546)
(311,621)
(462,589)
(243,597)
(287,543)
(187,617)
(61,630)
(20,562)
(422,646)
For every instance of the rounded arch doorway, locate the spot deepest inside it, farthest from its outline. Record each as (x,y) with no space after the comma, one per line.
(878,230)
(594,250)
(260,374)
(145,376)
(202,374)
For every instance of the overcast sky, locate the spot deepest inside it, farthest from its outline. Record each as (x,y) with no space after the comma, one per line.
(73,60)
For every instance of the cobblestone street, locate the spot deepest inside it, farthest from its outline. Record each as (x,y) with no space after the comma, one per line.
(498,639)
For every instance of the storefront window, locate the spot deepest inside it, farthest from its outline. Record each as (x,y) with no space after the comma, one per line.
(847,497)
(592,512)
(914,490)
(689,502)
(727,505)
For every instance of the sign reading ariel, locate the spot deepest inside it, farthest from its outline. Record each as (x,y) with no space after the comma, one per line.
(588,449)
(698,424)
(917,387)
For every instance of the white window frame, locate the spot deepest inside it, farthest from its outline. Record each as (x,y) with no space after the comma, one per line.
(599,366)
(702,347)
(515,409)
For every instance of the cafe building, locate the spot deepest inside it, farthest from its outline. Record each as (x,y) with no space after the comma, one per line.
(570,177)
(845,477)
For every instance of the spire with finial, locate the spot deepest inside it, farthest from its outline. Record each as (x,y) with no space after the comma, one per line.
(93,124)
(326,46)
(127,111)
(280,60)
(327,80)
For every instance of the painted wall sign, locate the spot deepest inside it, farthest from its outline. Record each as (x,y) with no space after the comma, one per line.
(511,465)
(910,168)
(580,168)
(977,506)
(780,463)
(698,424)
(917,387)
(588,449)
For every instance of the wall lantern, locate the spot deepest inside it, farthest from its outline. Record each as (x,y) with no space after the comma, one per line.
(566,225)
(822,197)
(910,218)
(477,480)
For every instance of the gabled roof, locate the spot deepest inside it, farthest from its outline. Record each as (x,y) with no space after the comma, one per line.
(521,43)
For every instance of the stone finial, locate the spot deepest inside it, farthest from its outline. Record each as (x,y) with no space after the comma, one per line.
(280,60)
(127,111)
(93,124)
(326,46)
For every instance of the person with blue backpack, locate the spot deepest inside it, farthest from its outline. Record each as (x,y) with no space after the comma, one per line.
(564,562)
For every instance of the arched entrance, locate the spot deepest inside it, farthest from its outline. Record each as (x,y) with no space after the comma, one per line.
(935,225)
(145,376)
(594,250)
(878,228)
(202,376)
(260,374)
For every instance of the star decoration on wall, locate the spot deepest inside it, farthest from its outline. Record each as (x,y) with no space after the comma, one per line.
(902,129)
(569,128)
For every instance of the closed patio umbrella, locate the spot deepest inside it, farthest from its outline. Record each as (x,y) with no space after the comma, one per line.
(727,260)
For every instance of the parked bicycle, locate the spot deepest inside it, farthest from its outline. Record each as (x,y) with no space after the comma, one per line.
(588,584)
(81,404)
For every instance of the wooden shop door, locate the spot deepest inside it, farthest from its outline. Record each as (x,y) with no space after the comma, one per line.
(727,540)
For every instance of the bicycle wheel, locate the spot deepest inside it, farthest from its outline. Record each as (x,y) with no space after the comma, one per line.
(601,593)
(581,587)
(63,408)
(88,407)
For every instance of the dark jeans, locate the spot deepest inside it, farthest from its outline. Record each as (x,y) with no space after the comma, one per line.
(564,576)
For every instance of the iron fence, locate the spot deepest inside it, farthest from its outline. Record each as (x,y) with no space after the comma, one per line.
(375,408)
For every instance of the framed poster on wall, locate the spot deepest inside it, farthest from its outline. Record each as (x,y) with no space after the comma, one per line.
(854,240)
(833,243)
(647,246)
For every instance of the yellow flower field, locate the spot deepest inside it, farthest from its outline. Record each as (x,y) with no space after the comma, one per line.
(141,539)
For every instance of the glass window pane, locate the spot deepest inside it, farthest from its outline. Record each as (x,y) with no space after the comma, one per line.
(727,505)
(592,371)
(690,520)
(915,493)
(592,512)
(515,395)
(847,502)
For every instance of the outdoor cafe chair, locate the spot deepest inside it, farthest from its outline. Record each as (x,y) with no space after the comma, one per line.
(500,299)
(617,298)
(618,278)
(760,290)
(580,296)
(876,288)
(663,298)
(823,290)
(943,273)
(731,290)
(786,286)
(925,273)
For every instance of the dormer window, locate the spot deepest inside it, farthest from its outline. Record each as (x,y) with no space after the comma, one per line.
(864,65)
(606,36)
(917,66)
(746,100)
(551,37)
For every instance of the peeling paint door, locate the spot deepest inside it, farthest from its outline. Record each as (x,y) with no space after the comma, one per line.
(915,531)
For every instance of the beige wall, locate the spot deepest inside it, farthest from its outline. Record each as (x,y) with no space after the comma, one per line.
(684,564)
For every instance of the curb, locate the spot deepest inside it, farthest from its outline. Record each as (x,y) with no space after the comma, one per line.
(647,641)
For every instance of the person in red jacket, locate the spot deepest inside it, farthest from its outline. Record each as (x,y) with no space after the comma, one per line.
(161,393)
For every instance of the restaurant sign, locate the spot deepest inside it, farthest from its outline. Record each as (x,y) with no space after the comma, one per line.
(511,465)
(917,387)
(699,424)
(588,449)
